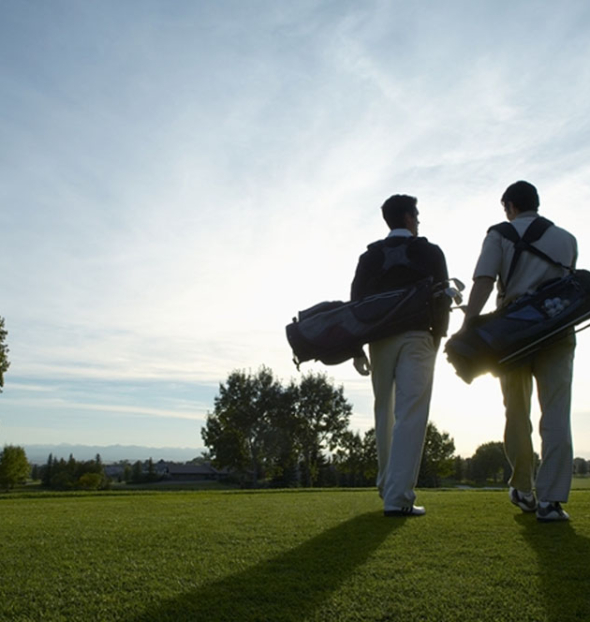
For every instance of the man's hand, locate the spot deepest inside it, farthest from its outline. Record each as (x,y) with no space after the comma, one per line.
(362,365)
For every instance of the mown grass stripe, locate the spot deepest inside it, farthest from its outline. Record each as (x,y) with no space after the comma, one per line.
(312,555)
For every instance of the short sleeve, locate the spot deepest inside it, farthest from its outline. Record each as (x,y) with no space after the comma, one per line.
(490,258)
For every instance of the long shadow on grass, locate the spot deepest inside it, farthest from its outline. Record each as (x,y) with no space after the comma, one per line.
(288,587)
(563,558)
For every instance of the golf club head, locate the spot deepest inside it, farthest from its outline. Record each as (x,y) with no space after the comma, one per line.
(454,294)
(458,283)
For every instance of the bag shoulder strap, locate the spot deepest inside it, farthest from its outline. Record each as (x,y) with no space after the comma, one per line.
(536,229)
(506,230)
(525,243)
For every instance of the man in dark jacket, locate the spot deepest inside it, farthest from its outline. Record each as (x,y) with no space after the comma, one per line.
(402,366)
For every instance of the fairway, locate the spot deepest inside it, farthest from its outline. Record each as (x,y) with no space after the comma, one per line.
(289,555)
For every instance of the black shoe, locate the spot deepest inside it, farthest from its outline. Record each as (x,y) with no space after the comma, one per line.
(551,513)
(525,501)
(411,510)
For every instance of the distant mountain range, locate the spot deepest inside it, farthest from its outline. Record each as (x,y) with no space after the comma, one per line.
(38,454)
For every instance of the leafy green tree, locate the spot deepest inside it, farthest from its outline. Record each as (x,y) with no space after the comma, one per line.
(95,468)
(14,466)
(72,474)
(348,459)
(323,414)
(370,464)
(262,430)
(355,459)
(282,443)
(437,457)
(238,431)
(90,481)
(489,462)
(4,364)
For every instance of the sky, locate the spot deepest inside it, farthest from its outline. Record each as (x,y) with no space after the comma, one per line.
(179,179)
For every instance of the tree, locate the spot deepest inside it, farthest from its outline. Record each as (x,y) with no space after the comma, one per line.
(348,459)
(238,430)
(137,472)
(437,457)
(580,466)
(152,476)
(47,472)
(262,430)
(489,462)
(282,444)
(459,467)
(322,414)
(63,475)
(370,465)
(90,481)
(355,459)
(4,364)
(14,466)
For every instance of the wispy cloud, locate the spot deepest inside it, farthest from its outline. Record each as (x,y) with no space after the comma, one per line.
(179,181)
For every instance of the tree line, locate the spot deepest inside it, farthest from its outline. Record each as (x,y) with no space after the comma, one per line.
(71,474)
(263,433)
(269,434)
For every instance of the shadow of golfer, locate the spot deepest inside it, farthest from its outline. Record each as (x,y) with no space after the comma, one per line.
(563,558)
(288,587)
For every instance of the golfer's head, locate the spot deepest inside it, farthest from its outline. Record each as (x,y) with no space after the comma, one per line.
(400,211)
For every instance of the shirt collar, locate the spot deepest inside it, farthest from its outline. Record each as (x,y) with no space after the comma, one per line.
(527,214)
(401,233)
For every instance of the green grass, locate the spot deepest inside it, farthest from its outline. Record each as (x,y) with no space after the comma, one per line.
(581,482)
(288,556)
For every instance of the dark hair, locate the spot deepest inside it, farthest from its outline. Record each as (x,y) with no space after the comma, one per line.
(395,209)
(522,195)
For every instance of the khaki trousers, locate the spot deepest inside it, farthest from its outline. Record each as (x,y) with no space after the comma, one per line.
(402,371)
(552,369)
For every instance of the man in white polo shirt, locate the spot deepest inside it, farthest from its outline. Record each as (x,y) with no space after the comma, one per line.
(552,367)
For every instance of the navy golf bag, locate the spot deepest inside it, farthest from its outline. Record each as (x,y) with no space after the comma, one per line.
(500,341)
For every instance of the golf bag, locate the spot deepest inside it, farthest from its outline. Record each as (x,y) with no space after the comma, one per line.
(500,341)
(333,332)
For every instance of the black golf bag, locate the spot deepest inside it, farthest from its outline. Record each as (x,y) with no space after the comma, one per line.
(499,341)
(333,332)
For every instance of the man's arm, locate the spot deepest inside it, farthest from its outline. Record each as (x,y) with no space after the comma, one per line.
(480,292)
